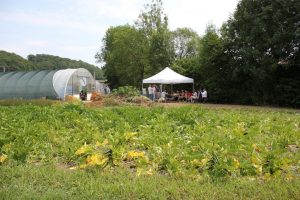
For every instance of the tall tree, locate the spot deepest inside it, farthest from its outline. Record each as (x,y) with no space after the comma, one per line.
(185,42)
(153,22)
(211,71)
(125,56)
(185,45)
(263,38)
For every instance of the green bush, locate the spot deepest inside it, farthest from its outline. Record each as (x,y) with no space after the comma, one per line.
(126,91)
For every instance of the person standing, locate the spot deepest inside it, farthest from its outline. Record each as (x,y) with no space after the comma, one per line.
(107,90)
(204,95)
(154,91)
(200,96)
(150,92)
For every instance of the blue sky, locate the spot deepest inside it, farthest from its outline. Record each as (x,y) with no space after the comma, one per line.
(75,28)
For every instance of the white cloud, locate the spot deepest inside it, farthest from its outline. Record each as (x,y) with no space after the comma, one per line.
(37,43)
(196,14)
(120,10)
(51,20)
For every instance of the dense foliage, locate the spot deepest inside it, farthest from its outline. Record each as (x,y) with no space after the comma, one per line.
(189,141)
(125,55)
(253,59)
(262,41)
(13,62)
(131,53)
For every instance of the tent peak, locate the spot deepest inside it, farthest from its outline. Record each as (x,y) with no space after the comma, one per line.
(168,76)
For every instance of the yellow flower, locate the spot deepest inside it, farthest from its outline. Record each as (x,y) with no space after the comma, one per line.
(96,159)
(85,148)
(3,157)
(73,168)
(236,163)
(135,154)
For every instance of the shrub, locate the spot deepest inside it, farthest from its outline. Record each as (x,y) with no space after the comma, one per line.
(126,91)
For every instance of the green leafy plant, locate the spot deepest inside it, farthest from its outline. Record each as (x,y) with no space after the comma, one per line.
(126,91)
(189,141)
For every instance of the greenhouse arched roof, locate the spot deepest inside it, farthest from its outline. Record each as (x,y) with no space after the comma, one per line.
(54,84)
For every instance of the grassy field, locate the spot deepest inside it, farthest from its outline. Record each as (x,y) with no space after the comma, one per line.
(58,151)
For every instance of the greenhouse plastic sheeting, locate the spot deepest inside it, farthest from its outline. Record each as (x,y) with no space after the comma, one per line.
(27,85)
(44,84)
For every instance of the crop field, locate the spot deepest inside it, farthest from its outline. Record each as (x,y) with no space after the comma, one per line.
(60,151)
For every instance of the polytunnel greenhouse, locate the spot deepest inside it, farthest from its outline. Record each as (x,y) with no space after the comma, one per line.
(45,84)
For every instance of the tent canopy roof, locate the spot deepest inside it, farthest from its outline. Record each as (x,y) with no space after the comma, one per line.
(168,76)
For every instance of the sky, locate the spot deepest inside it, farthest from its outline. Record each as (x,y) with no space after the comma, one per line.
(75,28)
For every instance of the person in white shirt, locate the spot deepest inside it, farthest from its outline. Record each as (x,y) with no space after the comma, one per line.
(154,92)
(163,96)
(150,91)
(194,97)
(107,90)
(204,95)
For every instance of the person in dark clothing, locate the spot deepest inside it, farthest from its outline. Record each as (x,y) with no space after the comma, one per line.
(199,96)
(83,95)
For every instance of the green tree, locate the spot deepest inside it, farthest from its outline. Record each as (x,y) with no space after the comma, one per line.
(185,45)
(263,38)
(212,71)
(185,42)
(14,62)
(153,23)
(125,56)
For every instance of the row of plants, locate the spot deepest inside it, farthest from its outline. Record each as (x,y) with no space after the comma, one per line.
(189,141)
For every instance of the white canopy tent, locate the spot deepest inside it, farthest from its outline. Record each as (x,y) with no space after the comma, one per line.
(168,76)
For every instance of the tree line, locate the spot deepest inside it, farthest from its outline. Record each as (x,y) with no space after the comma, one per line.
(14,62)
(252,59)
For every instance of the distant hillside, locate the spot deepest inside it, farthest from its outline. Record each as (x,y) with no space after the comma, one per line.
(14,62)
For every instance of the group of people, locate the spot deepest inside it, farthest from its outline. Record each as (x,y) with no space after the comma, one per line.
(153,92)
(200,96)
(197,96)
